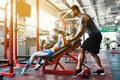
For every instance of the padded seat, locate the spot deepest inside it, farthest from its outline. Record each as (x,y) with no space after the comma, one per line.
(63,49)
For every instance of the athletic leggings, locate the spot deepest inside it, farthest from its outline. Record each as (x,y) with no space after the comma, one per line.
(39,54)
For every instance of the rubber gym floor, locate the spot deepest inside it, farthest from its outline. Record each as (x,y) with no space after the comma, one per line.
(110,62)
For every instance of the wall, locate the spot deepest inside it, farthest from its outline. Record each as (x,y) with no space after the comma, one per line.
(45,6)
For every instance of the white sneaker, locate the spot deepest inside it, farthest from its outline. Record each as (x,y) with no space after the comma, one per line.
(37,66)
(25,71)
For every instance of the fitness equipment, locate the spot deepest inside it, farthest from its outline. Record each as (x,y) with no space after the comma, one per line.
(54,59)
(10,60)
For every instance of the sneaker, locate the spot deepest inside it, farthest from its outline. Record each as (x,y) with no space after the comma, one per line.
(77,73)
(37,66)
(99,72)
(25,71)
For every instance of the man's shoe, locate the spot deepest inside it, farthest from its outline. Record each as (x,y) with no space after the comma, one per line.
(99,72)
(37,66)
(77,73)
(25,71)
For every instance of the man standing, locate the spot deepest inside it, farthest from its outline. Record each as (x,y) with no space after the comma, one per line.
(91,44)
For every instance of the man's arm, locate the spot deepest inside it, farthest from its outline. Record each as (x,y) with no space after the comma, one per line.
(82,28)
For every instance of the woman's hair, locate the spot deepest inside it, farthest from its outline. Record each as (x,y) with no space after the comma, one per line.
(75,7)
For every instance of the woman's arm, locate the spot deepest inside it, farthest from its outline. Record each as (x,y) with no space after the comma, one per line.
(63,43)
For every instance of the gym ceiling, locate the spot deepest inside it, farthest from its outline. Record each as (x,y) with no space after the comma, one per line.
(104,12)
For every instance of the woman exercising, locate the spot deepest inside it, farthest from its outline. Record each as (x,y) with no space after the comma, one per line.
(41,53)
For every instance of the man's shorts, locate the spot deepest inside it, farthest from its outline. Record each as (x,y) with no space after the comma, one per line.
(92,43)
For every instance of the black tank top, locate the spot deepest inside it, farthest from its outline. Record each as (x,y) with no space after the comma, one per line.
(91,27)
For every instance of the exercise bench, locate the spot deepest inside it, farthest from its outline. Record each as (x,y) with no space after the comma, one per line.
(54,59)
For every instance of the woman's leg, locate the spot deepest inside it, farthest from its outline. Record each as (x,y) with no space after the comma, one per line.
(39,53)
(39,60)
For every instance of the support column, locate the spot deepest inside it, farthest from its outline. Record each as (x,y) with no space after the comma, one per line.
(37,27)
(15,36)
(11,38)
(5,32)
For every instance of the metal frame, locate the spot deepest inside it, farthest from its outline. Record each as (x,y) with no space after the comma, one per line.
(56,61)
(10,62)
(37,36)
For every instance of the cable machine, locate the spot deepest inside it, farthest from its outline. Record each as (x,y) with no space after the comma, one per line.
(37,36)
(12,58)
(10,73)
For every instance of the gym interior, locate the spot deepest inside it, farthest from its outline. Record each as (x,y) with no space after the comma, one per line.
(25,24)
